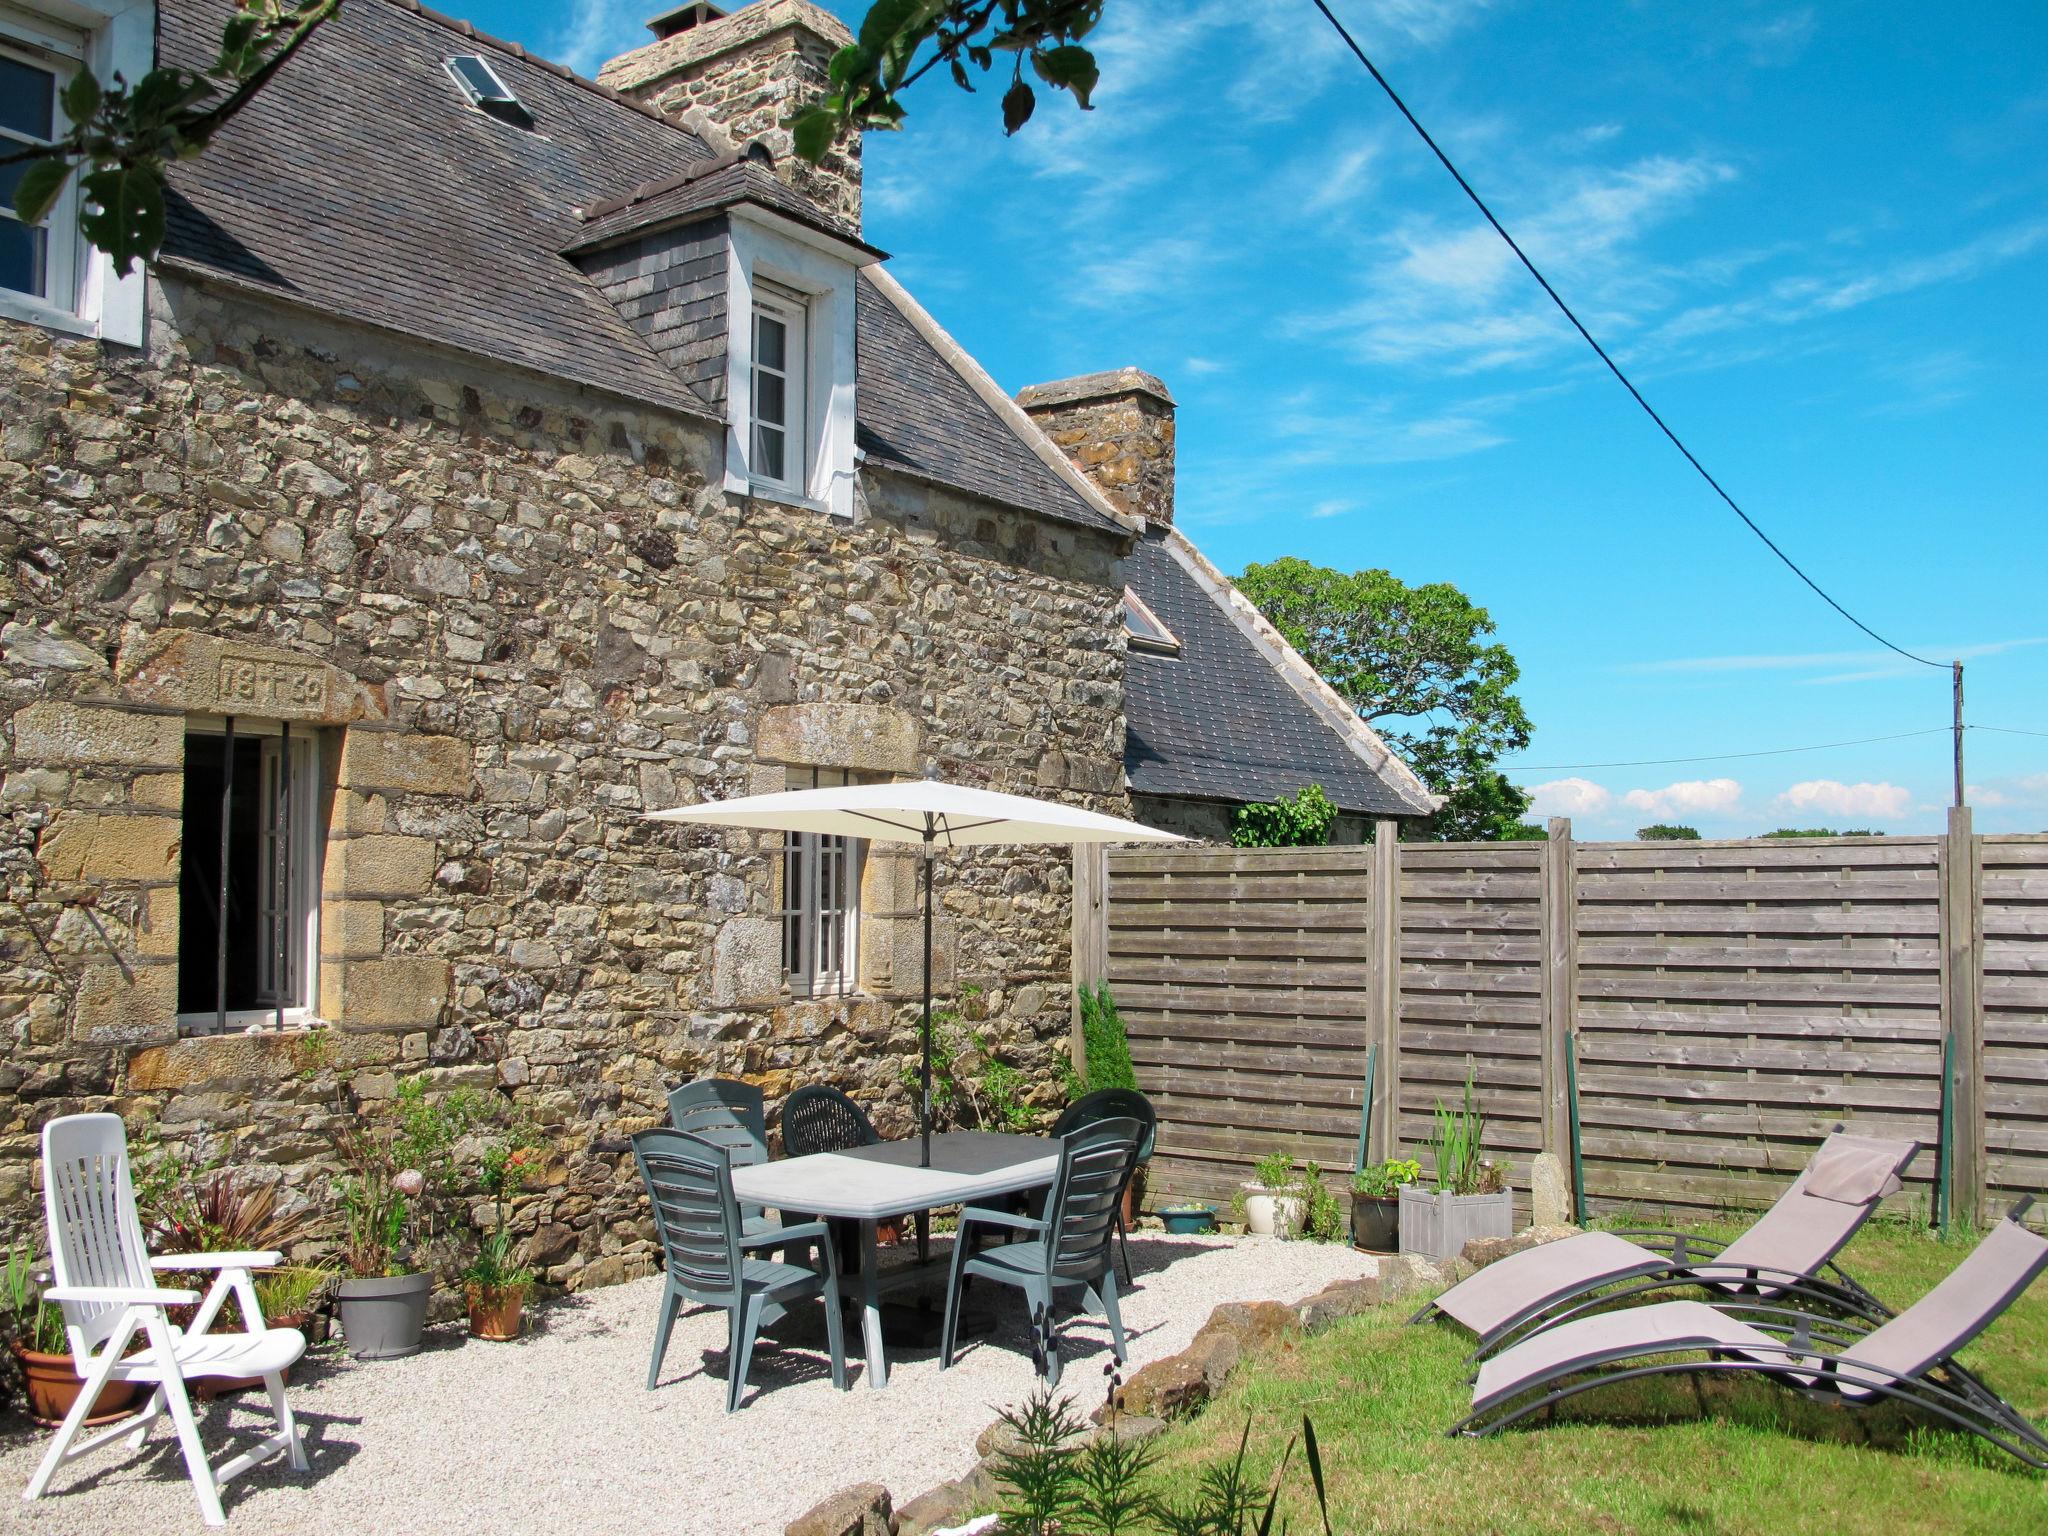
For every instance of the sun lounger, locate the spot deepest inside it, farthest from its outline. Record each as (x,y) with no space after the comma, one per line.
(1790,1249)
(1908,1359)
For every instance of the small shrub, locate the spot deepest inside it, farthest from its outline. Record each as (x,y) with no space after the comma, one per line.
(1275,1171)
(1377,1181)
(1456,1137)
(1300,820)
(1322,1213)
(1106,1048)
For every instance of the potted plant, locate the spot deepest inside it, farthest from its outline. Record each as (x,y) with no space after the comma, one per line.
(1187,1219)
(1376,1203)
(35,1330)
(1470,1197)
(494,1285)
(1272,1206)
(382,1302)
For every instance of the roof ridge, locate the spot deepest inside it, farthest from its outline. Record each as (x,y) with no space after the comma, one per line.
(465,29)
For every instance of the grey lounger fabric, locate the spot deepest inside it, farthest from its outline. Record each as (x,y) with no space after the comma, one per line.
(1793,1240)
(1910,1358)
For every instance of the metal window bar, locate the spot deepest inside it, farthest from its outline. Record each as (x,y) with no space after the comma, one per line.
(220,963)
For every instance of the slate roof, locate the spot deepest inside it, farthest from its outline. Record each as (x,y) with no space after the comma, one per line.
(1219,721)
(362,184)
(918,414)
(707,188)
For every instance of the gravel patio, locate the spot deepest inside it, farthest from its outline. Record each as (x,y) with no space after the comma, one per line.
(557,1433)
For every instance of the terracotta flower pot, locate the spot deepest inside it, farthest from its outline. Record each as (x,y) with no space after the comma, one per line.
(53,1386)
(496,1313)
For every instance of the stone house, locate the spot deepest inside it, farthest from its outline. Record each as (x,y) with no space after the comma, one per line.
(490,456)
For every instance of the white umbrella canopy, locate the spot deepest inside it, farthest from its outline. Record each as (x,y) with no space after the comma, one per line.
(918,811)
(926,811)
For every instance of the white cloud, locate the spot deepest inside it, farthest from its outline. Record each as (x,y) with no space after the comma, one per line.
(2026,791)
(1831,797)
(1780,41)
(1711,797)
(1202,367)
(1569,797)
(596,32)
(1336,506)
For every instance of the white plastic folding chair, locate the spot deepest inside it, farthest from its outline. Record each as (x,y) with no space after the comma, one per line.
(105,1283)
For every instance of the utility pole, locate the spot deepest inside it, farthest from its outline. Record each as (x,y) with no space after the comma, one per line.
(1959,732)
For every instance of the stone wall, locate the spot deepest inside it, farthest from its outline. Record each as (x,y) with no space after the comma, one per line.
(515,616)
(736,81)
(1118,429)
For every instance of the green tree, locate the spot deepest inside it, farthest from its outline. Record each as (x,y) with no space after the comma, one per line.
(1665,832)
(1417,654)
(1299,820)
(1823,832)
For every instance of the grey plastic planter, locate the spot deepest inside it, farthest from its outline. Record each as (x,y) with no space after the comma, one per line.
(1438,1224)
(382,1317)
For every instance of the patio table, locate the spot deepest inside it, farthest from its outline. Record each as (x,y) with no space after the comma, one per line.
(873,1184)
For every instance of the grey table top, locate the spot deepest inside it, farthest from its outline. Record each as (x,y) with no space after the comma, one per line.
(871,1183)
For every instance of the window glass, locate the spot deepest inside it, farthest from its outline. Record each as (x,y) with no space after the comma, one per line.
(820,900)
(264,787)
(777,393)
(28,99)
(771,343)
(28,113)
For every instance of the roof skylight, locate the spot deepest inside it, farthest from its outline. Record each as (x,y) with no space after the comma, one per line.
(486,92)
(1146,632)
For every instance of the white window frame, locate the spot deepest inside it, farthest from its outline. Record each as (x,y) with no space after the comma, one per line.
(109,37)
(820,901)
(768,257)
(304,894)
(59,53)
(790,311)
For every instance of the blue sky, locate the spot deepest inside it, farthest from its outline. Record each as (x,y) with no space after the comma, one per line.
(1818,236)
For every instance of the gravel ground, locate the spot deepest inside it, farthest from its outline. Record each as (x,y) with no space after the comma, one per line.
(557,1432)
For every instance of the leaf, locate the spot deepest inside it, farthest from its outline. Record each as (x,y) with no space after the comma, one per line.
(1018,102)
(847,65)
(885,18)
(82,97)
(127,217)
(1315,1470)
(39,188)
(812,132)
(1070,67)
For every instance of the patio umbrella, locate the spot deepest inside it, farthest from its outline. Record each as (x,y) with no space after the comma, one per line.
(928,812)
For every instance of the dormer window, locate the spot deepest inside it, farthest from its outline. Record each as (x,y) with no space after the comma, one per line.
(1144,630)
(779,389)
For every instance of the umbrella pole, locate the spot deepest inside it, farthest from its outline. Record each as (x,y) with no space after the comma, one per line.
(925,1159)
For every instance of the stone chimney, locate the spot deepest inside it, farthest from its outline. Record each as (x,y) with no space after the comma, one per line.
(733,79)
(1118,428)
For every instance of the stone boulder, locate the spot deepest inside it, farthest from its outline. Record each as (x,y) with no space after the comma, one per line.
(861,1510)
(1550,1192)
(1254,1324)
(1339,1299)
(946,1505)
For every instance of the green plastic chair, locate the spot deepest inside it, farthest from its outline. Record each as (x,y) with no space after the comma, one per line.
(731,1114)
(689,1186)
(1067,1249)
(1114,1104)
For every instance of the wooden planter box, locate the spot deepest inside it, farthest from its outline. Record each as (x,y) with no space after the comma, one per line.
(1438,1224)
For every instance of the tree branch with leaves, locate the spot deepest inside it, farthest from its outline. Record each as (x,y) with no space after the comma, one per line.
(123,137)
(901,41)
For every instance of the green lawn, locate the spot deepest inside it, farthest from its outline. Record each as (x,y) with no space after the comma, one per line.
(1734,1456)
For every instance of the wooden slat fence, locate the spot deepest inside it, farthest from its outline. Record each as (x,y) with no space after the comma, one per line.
(1737,999)
(1728,1003)
(2013,882)
(1243,981)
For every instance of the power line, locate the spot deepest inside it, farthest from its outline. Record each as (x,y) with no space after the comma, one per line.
(1612,367)
(2005,730)
(1717,757)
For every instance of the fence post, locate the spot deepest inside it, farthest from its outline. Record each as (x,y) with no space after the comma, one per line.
(1962,926)
(1091,939)
(1383,980)
(1560,983)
